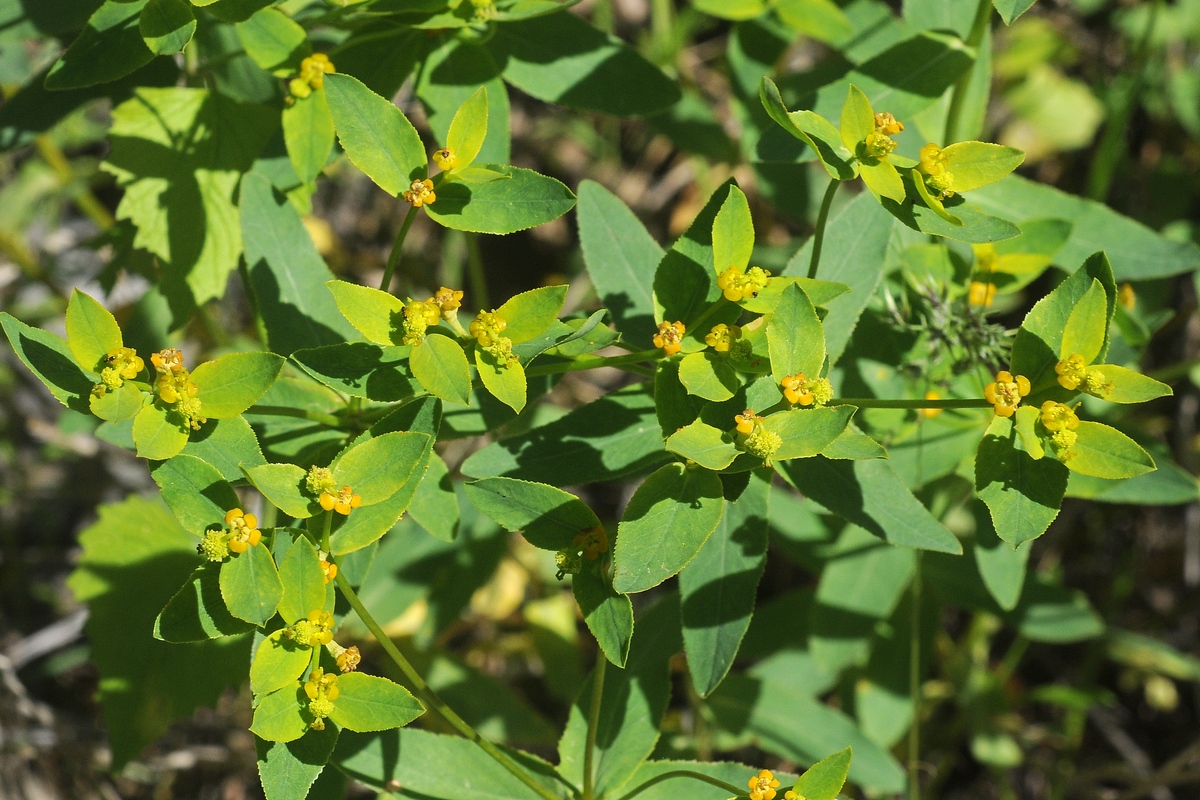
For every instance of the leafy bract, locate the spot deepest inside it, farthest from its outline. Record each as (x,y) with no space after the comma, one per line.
(519,199)
(376,135)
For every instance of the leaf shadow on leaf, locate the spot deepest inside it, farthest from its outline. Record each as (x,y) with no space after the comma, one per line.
(361,366)
(279,315)
(683,286)
(699,603)
(452,198)
(59,370)
(941,62)
(1006,464)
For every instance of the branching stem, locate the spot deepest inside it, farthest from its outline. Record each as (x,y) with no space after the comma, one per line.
(589,777)
(394,256)
(822,220)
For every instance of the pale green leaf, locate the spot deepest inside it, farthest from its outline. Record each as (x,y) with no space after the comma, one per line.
(376,136)
(440,365)
(92,331)
(234,382)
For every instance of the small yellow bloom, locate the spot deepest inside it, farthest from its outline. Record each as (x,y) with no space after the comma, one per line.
(763,785)
(418,316)
(487,328)
(722,337)
(420,193)
(591,543)
(243,530)
(312,75)
(1127,297)
(747,421)
(343,502)
(981,293)
(669,337)
(879,145)
(930,413)
(319,480)
(1073,373)
(886,124)
(933,167)
(791,794)
(321,689)
(569,562)
(1005,392)
(445,159)
(1058,416)
(801,391)
(448,301)
(117,366)
(738,285)
(328,567)
(167,361)
(214,545)
(313,631)
(175,386)
(349,659)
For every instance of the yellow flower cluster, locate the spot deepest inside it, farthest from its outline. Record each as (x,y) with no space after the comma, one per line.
(347,658)
(755,437)
(487,328)
(118,365)
(981,293)
(1061,421)
(1005,392)
(420,193)
(445,159)
(933,169)
(175,386)
(242,534)
(319,480)
(763,785)
(448,301)
(801,391)
(313,631)
(879,143)
(591,543)
(343,502)
(1073,373)
(418,316)
(738,285)
(321,689)
(722,337)
(312,75)
(328,567)
(669,338)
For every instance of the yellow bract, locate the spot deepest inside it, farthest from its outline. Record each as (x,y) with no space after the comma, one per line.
(669,337)
(763,785)
(328,567)
(312,75)
(1005,392)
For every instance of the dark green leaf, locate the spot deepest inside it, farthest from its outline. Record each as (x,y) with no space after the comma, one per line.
(250,585)
(1023,494)
(195,491)
(49,359)
(550,518)
(167,26)
(197,612)
(522,199)
(607,613)
(110,47)
(289,770)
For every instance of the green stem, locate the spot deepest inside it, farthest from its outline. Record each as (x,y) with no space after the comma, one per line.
(1112,142)
(431,698)
(329,420)
(394,256)
(873,402)
(954,121)
(914,686)
(475,274)
(325,531)
(822,218)
(685,773)
(589,777)
(592,362)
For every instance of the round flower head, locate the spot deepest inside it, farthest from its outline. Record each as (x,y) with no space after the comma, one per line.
(313,631)
(243,530)
(420,193)
(343,502)
(763,785)
(445,159)
(1058,416)
(321,689)
(802,391)
(669,337)
(1005,392)
(448,301)
(932,167)
(737,285)
(722,337)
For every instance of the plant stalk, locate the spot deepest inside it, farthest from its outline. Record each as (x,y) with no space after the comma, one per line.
(822,219)
(874,402)
(325,531)
(589,777)
(954,121)
(329,420)
(592,362)
(394,256)
(685,773)
(914,686)
(431,698)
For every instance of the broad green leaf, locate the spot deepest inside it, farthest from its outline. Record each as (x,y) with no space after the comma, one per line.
(1129,386)
(607,613)
(379,466)
(1149,653)
(303,581)
(819,292)
(718,588)
(110,47)
(667,521)
(289,770)
(505,381)
(92,331)
(976,164)
(376,136)
(883,180)
(287,275)
(812,129)
(278,662)
(523,199)
(250,585)
(308,134)
(118,404)
(709,375)
(195,492)
(368,523)
(274,41)
(870,494)
(1011,9)
(440,365)
(1168,485)
(628,724)
(448,77)
(1000,565)
(158,432)
(179,153)
(821,19)
(1104,452)
(197,612)
(376,314)
(1022,494)
(167,26)
(548,517)
(283,486)
(973,225)
(824,780)
(857,120)
(369,703)
(731,9)
(795,337)
(807,431)
(529,314)
(685,282)
(705,445)
(134,558)
(49,359)
(562,59)
(931,202)
(1087,325)
(278,718)
(733,232)
(361,369)
(852,444)
(469,127)
(234,382)
(434,507)
(1025,422)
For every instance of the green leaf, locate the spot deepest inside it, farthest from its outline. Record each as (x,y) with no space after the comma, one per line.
(92,331)
(250,585)
(731,9)
(449,76)
(562,59)
(1129,386)
(289,770)
(733,232)
(361,369)
(195,492)
(870,494)
(709,375)
(883,179)
(718,588)
(167,26)
(49,359)
(274,41)
(607,613)
(1025,422)
(795,337)
(308,134)
(110,47)
(505,381)
(303,581)
(440,365)
(197,612)
(282,486)
(818,133)
(825,779)
(705,445)
(857,120)
(807,431)
(1000,565)
(1087,325)
(822,19)
(1023,495)
(1104,452)
(234,382)
(370,703)
(529,314)
(976,164)
(469,127)
(376,136)
(524,199)
(378,467)
(287,275)
(278,718)
(134,558)
(685,282)
(278,662)
(376,314)
(667,521)
(973,225)
(369,523)
(548,517)
(434,506)
(158,432)
(117,405)
(854,445)
(1011,9)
